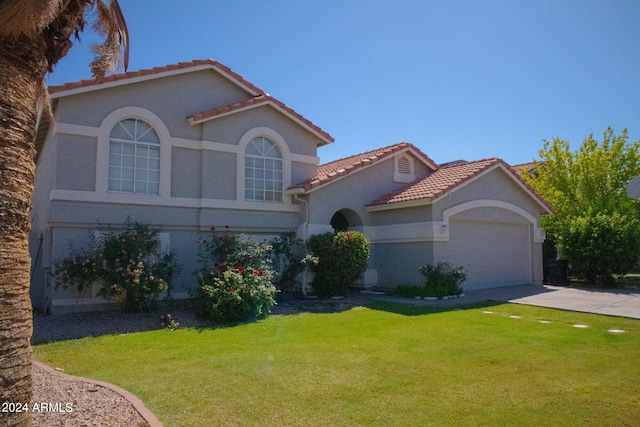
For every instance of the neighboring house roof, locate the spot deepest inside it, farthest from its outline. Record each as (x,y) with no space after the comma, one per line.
(529,168)
(338,168)
(149,73)
(439,183)
(257,101)
(453,162)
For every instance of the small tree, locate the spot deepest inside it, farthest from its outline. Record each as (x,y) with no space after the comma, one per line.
(342,258)
(598,245)
(593,218)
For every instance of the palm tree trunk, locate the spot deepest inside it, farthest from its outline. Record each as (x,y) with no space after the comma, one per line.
(22,69)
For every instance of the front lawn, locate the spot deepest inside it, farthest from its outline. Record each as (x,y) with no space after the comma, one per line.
(383,365)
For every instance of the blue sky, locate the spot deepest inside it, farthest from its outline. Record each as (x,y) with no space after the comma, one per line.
(459,79)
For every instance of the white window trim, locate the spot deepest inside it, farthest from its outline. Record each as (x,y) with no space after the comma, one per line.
(101,195)
(102,152)
(276,138)
(403,177)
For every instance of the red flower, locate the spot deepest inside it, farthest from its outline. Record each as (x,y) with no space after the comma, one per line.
(226,226)
(258,272)
(213,229)
(239,268)
(232,290)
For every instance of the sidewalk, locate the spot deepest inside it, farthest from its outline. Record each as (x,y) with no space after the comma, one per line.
(612,302)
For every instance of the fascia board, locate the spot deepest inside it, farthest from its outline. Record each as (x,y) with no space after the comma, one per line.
(150,76)
(262,104)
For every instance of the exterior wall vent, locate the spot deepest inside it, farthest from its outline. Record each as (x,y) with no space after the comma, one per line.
(404,166)
(403,170)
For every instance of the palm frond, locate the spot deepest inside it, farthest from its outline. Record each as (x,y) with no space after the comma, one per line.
(110,22)
(123,31)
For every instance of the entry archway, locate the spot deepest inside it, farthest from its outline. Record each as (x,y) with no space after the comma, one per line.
(345,219)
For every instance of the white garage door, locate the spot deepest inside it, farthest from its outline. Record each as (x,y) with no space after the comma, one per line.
(493,254)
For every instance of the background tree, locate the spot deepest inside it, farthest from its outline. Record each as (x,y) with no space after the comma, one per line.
(595,224)
(34,36)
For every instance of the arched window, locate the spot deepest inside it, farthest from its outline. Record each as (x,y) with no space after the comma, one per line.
(134,158)
(263,171)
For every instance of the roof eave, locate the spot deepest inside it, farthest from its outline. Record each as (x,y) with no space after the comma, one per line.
(121,80)
(324,139)
(399,205)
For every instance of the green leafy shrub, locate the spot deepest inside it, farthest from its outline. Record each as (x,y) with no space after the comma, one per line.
(125,264)
(342,258)
(291,255)
(407,290)
(600,246)
(234,280)
(443,280)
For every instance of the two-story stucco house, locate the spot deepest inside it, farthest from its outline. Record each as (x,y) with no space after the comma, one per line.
(194,145)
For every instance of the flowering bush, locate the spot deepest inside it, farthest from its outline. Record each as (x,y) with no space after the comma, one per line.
(342,258)
(443,280)
(235,279)
(124,263)
(168,322)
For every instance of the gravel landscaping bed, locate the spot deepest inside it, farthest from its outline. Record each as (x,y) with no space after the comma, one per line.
(78,402)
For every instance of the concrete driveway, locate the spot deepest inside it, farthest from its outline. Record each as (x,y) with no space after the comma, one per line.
(612,302)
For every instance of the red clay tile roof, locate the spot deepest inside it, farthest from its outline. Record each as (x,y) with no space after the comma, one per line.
(256,101)
(157,70)
(446,179)
(337,168)
(259,96)
(436,184)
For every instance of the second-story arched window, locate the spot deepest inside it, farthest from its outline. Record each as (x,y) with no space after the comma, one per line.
(263,171)
(134,158)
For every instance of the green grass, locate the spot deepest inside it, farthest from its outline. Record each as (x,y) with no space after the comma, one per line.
(383,365)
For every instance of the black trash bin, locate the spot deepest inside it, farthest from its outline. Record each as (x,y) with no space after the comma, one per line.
(556,271)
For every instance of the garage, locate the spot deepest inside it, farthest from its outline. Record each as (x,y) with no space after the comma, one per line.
(494,254)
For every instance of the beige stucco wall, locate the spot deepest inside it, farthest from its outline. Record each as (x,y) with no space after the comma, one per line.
(171,98)
(353,192)
(199,177)
(229,129)
(494,185)
(76,163)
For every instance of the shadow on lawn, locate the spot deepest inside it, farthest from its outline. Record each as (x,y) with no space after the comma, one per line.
(419,310)
(472,299)
(79,325)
